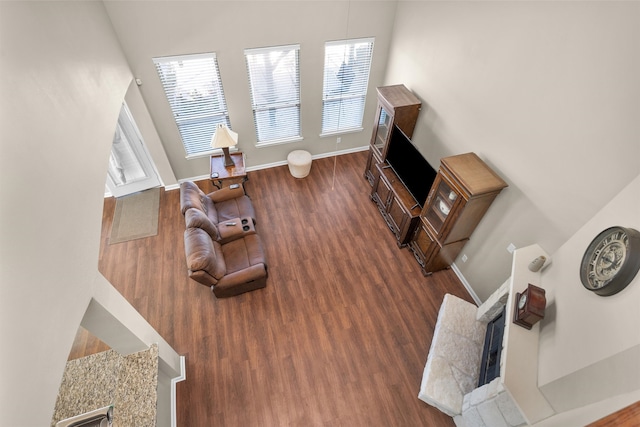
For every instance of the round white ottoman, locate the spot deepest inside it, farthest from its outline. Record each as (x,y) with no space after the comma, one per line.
(299,163)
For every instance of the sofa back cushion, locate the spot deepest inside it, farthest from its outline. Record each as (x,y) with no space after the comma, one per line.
(203,253)
(195,218)
(191,197)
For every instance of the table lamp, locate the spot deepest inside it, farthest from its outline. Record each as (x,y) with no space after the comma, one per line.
(224,138)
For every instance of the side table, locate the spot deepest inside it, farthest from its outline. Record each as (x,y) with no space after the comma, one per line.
(224,176)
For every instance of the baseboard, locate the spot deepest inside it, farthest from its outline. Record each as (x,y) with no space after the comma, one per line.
(174,381)
(193,179)
(466,284)
(340,152)
(176,186)
(283,162)
(313,157)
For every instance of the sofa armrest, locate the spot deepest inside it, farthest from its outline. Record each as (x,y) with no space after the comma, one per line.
(226,193)
(203,278)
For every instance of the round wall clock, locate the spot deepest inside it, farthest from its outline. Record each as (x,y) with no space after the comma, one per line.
(611,261)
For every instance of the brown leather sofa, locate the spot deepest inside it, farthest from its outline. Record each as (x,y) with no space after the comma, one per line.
(219,206)
(222,248)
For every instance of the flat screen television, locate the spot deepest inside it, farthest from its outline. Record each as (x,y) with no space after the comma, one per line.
(413,170)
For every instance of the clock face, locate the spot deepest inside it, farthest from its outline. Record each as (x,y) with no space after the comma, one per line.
(522,301)
(611,260)
(607,258)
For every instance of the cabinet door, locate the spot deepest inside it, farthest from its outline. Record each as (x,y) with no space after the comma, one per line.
(443,257)
(442,201)
(422,245)
(381,130)
(371,172)
(381,193)
(397,215)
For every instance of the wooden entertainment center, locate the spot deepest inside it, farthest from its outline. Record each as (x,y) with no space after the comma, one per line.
(396,106)
(435,229)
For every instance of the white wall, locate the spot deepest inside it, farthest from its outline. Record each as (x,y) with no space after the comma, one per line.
(590,345)
(545,92)
(64,78)
(153,28)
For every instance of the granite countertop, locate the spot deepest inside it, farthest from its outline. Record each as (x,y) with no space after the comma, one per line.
(129,383)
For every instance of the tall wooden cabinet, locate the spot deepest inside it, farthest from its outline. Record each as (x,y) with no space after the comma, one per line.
(396,106)
(462,192)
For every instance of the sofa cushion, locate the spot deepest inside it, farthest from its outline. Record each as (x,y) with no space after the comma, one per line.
(243,253)
(195,218)
(203,253)
(226,193)
(240,207)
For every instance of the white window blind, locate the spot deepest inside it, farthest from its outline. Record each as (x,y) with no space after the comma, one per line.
(194,91)
(346,76)
(274,82)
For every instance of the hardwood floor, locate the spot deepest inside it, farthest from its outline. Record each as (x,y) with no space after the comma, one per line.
(339,336)
(625,417)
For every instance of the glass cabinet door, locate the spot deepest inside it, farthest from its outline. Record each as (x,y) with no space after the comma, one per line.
(440,205)
(382,129)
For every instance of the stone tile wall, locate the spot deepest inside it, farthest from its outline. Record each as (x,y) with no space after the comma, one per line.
(489,406)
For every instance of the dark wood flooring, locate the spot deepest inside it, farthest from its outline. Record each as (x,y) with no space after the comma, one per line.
(625,417)
(340,335)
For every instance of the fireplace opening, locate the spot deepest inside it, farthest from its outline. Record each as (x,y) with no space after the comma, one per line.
(490,362)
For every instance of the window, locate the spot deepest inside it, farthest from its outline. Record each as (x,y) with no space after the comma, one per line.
(346,76)
(274,82)
(194,90)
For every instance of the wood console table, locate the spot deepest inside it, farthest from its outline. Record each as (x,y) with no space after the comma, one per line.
(224,176)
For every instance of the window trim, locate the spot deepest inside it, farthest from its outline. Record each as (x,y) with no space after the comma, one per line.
(341,132)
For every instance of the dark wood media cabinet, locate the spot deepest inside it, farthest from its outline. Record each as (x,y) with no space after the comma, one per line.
(397,206)
(397,106)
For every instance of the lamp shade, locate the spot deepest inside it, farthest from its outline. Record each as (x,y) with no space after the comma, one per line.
(224,137)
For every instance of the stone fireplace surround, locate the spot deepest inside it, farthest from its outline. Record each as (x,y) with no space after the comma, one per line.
(451,373)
